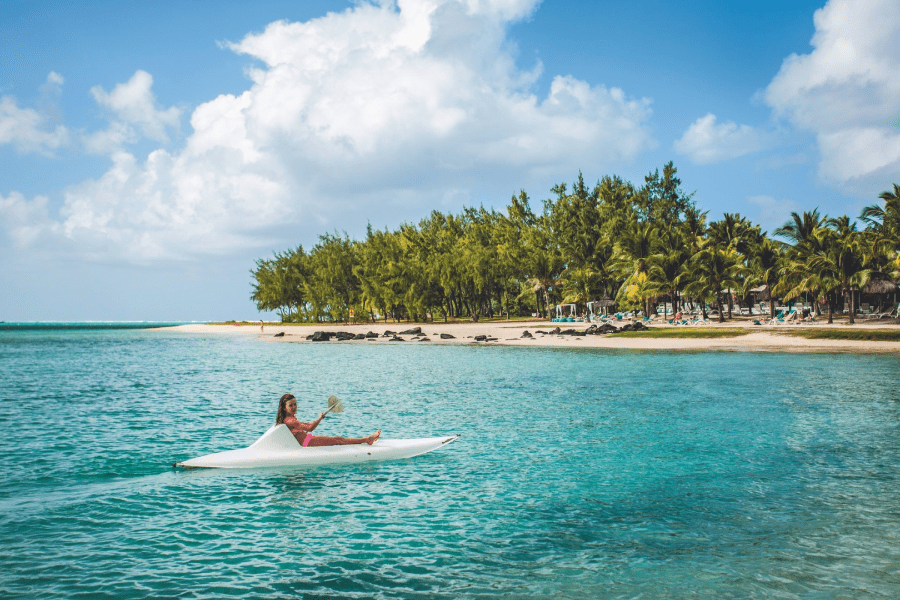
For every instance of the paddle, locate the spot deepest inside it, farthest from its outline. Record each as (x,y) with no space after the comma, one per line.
(334,404)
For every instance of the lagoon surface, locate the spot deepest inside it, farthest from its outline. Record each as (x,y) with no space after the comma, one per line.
(579,474)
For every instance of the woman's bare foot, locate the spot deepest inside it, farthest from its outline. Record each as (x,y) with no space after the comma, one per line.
(373,438)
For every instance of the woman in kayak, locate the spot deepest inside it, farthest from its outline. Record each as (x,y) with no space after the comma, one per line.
(287,409)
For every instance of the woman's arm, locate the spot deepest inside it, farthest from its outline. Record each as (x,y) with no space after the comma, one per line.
(315,423)
(293,423)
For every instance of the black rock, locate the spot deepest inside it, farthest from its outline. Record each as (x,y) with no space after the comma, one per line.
(640,326)
(371,334)
(627,327)
(555,331)
(389,334)
(343,336)
(424,339)
(480,338)
(360,336)
(319,336)
(413,331)
(566,332)
(447,336)
(525,334)
(279,334)
(397,339)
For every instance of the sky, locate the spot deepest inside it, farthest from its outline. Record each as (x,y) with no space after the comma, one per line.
(150,153)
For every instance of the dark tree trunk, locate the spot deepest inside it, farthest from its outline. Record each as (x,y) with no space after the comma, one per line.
(828,298)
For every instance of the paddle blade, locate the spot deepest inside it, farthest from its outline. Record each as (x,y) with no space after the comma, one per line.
(335,405)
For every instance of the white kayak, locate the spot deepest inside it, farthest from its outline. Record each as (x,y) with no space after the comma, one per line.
(279,448)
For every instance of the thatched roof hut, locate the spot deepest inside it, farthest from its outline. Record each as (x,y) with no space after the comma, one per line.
(762,293)
(880,286)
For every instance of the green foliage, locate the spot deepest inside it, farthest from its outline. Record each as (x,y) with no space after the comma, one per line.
(612,240)
(867,335)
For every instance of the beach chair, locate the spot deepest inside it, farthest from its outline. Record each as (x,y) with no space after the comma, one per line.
(891,314)
(778,319)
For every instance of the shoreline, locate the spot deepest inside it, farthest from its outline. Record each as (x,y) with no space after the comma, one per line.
(763,338)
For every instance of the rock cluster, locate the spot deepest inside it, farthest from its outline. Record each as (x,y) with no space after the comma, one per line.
(419,336)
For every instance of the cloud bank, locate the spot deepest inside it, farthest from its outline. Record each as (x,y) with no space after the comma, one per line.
(846,90)
(379,110)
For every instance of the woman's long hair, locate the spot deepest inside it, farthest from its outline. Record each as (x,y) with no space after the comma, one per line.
(279,418)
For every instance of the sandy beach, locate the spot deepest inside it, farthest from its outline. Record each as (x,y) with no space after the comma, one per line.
(772,338)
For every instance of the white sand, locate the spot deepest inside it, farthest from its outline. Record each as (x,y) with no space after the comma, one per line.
(761,338)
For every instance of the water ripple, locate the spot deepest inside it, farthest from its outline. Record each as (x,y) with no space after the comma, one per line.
(580,474)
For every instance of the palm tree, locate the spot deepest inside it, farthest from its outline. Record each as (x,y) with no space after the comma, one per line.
(711,270)
(633,251)
(840,264)
(667,264)
(736,232)
(766,259)
(884,225)
(802,232)
(885,218)
(801,227)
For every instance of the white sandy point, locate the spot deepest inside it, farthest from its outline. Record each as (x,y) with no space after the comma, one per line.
(762,338)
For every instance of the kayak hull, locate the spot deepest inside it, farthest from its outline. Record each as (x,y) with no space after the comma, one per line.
(279,448)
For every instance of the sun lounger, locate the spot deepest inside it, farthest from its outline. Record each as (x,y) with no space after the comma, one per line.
(885,315)
(782,319)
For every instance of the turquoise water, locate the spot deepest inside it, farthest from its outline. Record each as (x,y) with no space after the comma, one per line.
(579,474)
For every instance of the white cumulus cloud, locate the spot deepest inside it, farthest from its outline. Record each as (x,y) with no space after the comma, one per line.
(134,113)
(371,113)
(707,141)
(27,129)
(846,90)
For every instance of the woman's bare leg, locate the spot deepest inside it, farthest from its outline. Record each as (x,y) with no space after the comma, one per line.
(324,440)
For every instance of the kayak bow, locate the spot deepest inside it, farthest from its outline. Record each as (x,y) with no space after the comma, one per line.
(279,448)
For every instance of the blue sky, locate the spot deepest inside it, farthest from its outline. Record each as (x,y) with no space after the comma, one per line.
(150,152)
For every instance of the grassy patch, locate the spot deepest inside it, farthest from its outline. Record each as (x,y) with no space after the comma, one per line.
(685,332)
(865,335)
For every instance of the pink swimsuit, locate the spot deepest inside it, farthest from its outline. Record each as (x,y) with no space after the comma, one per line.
(294,425)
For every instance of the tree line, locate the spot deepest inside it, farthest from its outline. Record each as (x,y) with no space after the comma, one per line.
(630,245)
